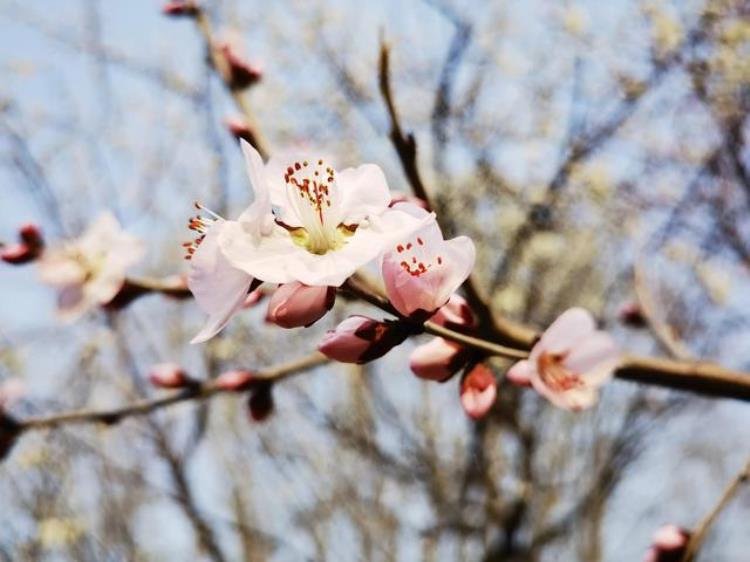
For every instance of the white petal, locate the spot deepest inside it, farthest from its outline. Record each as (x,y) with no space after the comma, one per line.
(363,191)
(596,357)
(458,256)
(567,330)
(257,216)
(219,288)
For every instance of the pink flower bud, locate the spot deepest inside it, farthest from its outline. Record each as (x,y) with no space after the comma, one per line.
(180,8)
(520,373)
(359,339)
(239,129)
(478,391)
(294,305)
(437,360)
(168,375)
(260,403)
(241,73)
(668,544)
(631,314)
(235,381)
(28,248)
(455,314)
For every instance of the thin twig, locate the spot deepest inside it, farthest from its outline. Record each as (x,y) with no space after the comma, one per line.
(199,391)
(699,533)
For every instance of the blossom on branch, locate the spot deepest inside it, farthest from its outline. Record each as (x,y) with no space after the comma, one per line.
(422,270)
(308,223)
(90,271)
(570,362)
(294,305)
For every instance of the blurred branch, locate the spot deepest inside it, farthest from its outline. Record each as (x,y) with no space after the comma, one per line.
(199,391)
(221,65)
(698,535)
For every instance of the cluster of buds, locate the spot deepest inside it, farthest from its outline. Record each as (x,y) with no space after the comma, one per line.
(28,248)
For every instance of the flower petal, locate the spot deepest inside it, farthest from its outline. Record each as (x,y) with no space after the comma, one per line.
(595,357)
(257,217)
(363,191)
(520,373)
(219,288)
(569,328)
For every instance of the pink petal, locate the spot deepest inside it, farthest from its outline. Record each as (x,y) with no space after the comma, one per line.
(436,360)
(364,192)
(569,328)
(219,288)
(520,373)
(595,357)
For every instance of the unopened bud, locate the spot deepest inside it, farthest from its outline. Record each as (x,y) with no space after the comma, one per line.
(294,305)
(437,360)
(180,8)
(631,314)
(668,544)
(478,391)
(168,375)
(359,339)
(241,73)
(260,402)
(28,249)
(235,381)
(455,315)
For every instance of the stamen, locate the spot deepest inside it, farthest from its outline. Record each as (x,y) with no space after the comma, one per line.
(419,263)
(556,375)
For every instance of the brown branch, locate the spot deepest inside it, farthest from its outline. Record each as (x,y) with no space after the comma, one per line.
(699,533)
(199,391)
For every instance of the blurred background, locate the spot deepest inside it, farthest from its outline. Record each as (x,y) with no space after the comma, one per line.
(582,145)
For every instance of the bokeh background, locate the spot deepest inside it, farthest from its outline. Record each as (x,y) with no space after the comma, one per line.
(582,145)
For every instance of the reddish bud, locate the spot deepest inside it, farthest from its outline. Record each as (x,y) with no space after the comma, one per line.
(9,431)
(28,249)
(294,305)
(235,381)
(668,545)
(478,391)
(180,8)
(260,402)
(631,314)
(240,130)
(359,339)
(455,315)
(437,360)
(168,375)
(241,74)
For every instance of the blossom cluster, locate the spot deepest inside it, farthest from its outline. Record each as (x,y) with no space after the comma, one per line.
(309,231)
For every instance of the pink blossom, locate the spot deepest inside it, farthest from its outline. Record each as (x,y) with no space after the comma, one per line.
(478,391)
(168,375)
(359,339)
(422,271)
(668,544)
(294,305)
(437,360)
(570,362)
(90,270)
